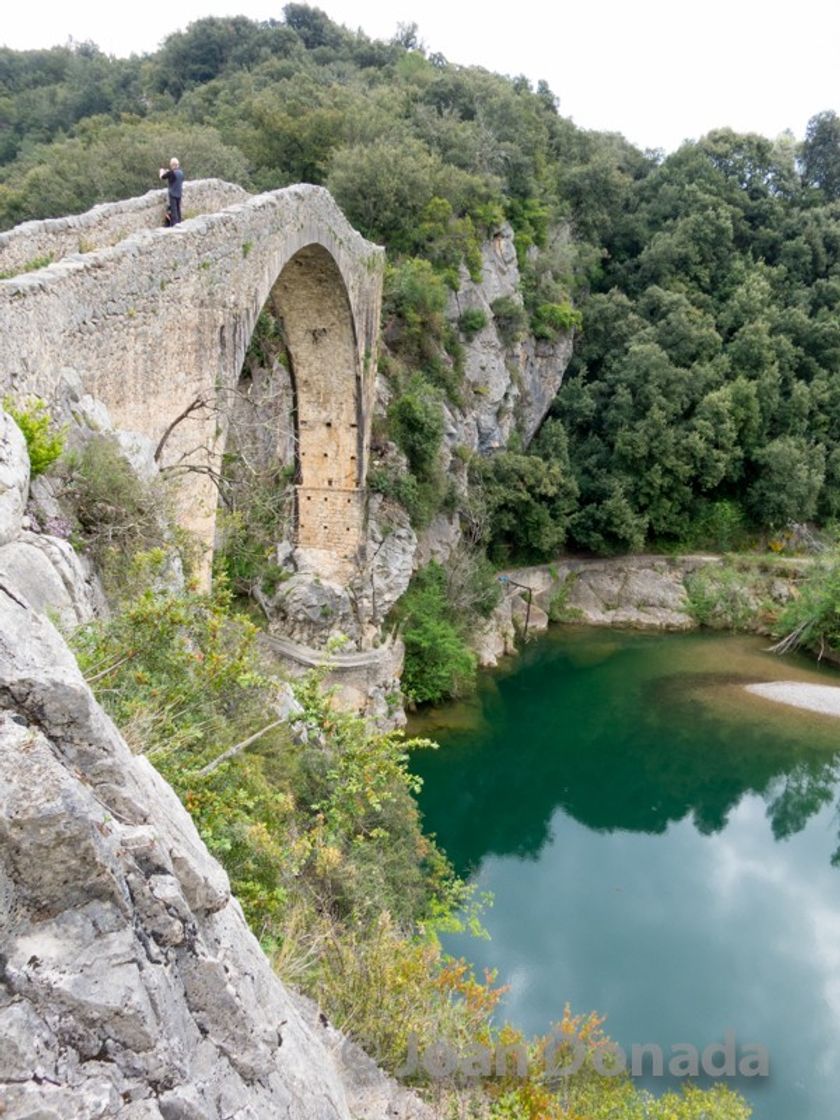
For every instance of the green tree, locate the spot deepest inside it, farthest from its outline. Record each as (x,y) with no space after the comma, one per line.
(791,473)
(821,154)
(438,662)
(529,498)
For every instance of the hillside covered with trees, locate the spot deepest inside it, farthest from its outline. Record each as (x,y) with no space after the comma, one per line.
(703,402)
(701,409)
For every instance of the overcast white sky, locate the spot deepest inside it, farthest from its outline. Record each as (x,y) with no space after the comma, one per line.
(657,70)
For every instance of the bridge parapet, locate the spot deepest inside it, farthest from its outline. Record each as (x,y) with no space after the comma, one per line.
(43,242)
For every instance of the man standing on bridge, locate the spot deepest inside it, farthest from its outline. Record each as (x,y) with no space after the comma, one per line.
(175,177)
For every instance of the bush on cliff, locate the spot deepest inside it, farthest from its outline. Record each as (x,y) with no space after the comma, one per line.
(44,441)
(117,514)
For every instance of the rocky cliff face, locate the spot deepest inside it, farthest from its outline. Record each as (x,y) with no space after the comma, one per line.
(130,984)
(510,384)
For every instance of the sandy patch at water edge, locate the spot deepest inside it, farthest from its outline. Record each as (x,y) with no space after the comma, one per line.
(822,698)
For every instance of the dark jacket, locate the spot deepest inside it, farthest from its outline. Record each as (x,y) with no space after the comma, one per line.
(175,180)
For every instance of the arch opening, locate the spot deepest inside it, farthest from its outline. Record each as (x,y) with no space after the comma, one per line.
(299,407)
(310,300)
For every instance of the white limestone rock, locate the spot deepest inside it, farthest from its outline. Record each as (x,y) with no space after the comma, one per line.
(139,451)
(438,540)
(14,478)
(311,610)
(130,984)
(508,384)
(392,544)
(47,572)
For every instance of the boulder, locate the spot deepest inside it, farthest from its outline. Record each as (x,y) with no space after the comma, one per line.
(311,610)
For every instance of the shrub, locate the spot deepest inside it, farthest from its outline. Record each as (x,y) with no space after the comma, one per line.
(471,322)
(416,423)
(177,672)
(413,307)
(812,618)
(510,317)
(438,661)
(558,605)
(118,515)
(32,265)
(385,989)
(44,441)
(248,530)
(719,525)
(553,319)
(448,240)
(722,597)
(421,500)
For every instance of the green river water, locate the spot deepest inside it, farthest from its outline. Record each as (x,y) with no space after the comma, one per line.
(659,844)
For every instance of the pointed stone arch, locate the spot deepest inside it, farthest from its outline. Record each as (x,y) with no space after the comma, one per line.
(310,299)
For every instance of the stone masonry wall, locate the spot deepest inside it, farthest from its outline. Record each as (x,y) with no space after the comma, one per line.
(158,326)
(330,518)
(106,224)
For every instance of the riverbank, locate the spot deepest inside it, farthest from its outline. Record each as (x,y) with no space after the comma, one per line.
(743,593)
(643,592)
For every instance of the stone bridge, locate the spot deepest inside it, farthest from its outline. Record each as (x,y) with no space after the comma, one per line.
(156,324)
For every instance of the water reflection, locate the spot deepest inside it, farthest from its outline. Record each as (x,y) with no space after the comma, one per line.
(624,734)
(661,847)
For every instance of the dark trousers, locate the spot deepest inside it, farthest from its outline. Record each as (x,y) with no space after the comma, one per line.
(174,210)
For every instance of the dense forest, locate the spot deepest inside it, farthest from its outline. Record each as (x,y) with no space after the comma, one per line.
(703,402)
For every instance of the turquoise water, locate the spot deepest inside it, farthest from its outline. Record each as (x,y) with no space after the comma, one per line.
(659,844)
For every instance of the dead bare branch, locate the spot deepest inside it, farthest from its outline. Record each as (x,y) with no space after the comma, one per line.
(194,406)
(237,747)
